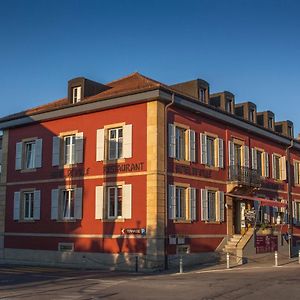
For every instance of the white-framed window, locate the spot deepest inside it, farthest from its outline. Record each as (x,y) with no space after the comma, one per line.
(202,94)
(114,143)
(113,202)
(182,143)
(260,162)
(278,167)
(182,203)
(212,152)
(28,154)
(238,155)
(212,205)
(66,203)
(76,94)
(27,205)
(296,172)
(67,149)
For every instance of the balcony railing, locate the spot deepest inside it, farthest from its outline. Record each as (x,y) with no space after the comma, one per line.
(245,176)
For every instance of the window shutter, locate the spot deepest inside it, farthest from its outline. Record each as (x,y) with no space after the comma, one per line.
(172,202)
(220,156)
(17,205)
(54,204)
(246,156)
(172,140)
(78,204)
(37,205)
(273,166)
(296,173)
(79,147)
(100,145)
(127,200)
(282,168)
(203,141)
(99,203)
(231,153)
(193,204)
(19,156)
(55,151)
(254,158)
(221,206)
(204,205)
(38,153)
(127,141)
(266,164)
(192,145)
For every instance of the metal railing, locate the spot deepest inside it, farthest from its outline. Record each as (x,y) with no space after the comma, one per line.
(244,175)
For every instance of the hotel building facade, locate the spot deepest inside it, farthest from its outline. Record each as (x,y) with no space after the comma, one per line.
(138,169)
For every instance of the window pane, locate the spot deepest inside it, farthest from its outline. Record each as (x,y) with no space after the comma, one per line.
(212,206)
(237,154)
(210,151)
(115,144)
(111,202)
(29,155)
(259,162)
(28,205)
(180,143)
(68,204)
(69,149)
(119,204)
(180,202)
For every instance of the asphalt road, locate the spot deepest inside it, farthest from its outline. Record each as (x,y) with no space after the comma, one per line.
(238,283)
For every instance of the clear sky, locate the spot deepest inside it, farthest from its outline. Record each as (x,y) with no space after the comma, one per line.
(248,47)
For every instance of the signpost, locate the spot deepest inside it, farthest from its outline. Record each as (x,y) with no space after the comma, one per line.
(141,231)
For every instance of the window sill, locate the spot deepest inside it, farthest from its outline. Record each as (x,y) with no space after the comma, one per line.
(116,220)
(28,170)
(182,221)
(212,168)
(214,222)
(70,166)
(181,161)
(114,161)
(66,221)
(26,221)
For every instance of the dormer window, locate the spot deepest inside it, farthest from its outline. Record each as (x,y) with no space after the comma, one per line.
(290,131)
(228,106)
(76,94)
(251,115)
(270,122)
(202,95)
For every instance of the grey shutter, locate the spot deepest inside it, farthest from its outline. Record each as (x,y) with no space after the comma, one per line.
(231,153)
(55,151)
(99,203)
(79,147)
(254,158)
(37,205)
(127,141)
(192,145)
(203,141)
(282,168)
(296,173)
(127,201)
(246,156)
(54,204)
(266,158)
(172,140)
(16,213)
(78,204)
(172,202)
(204,205)
(220,149)
(100,145)
(19,147)
(38,153)
(273,167)
(221,206)
(193,204)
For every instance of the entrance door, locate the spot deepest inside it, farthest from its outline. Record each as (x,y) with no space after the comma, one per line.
(239,217)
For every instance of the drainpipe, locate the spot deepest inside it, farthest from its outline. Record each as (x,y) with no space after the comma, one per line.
(166,178)
(289,200)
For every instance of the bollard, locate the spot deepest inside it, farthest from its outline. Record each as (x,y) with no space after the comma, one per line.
(228,260)
(136,264)
(276,259)
(180,265)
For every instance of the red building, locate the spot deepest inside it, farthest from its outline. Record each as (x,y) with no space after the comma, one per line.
(138,168)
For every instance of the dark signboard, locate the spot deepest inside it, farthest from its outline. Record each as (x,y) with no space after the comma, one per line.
(266,243)
(188,170)
(141,231)
(117,168)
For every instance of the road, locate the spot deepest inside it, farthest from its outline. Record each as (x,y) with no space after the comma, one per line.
(238,283)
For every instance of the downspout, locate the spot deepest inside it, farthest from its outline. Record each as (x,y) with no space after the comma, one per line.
(289,200)
(166,179)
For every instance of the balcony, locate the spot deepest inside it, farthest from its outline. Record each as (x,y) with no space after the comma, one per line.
(244,176)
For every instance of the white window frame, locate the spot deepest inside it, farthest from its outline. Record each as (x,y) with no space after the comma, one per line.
(31,205)
(116,201)
(29,164)
(69,150)
(76,94)
(66,204)
(180,210)
(117,141)
(180,143)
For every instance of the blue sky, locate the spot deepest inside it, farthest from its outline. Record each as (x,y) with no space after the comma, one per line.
(248,47)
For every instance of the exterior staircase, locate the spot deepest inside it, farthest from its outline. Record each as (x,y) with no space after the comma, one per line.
(236,244)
